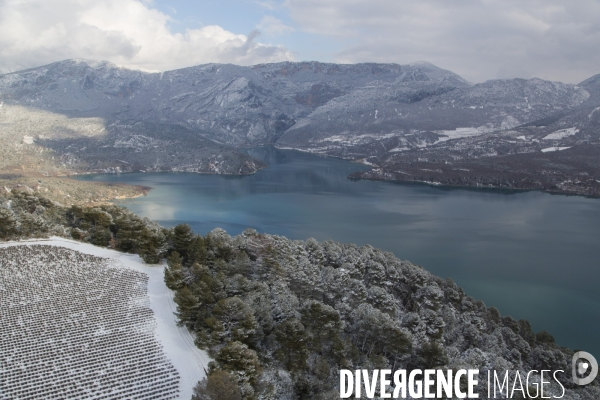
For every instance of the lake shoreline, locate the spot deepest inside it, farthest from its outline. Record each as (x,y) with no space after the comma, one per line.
(480,237)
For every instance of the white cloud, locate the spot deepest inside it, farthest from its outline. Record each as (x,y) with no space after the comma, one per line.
(274,26)
(126,32)
(479,39)
(270,5)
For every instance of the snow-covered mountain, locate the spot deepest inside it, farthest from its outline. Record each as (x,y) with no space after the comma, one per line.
(379,113)
(228,103)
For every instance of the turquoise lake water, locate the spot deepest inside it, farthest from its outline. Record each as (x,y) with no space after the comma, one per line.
(532,255)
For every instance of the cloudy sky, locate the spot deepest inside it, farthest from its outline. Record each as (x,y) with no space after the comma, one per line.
(478,39)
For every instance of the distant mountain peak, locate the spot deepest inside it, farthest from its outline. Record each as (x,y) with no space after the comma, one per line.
(72,63)
(592,84)
(423,64)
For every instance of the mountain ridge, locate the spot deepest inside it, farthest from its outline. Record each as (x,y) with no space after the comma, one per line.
(385,115)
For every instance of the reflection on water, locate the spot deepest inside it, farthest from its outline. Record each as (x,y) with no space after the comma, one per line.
(530,254)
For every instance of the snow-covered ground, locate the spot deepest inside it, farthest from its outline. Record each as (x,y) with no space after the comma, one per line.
(177,342)
(548,149)
(397,149)
(460,133)
(561,134)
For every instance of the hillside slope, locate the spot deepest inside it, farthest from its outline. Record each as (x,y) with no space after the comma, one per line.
(402,119)
(281,317)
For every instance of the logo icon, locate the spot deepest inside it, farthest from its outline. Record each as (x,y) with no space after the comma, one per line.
(582,363)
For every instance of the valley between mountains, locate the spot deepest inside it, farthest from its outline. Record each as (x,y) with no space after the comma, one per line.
(413,122)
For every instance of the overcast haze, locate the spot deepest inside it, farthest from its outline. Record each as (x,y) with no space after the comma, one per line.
(478,39)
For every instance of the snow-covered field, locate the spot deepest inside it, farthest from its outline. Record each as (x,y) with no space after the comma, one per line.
(398,149)
(75,326)
(561,134)
(548,149)
(460,133)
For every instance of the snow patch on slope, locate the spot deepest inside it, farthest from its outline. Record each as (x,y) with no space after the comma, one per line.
(28,139)
(460,133)
(548,149)
(593,111)
(561,134)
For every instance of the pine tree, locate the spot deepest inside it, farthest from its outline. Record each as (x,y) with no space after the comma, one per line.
(98,217)
(152,244)
(219,385)
(129,228)
(238,359)
(235,318)
(293,352)
(183,237)
(322,323)
(432,355)
(8,223)
(174,272)
(197,251)
(187,306)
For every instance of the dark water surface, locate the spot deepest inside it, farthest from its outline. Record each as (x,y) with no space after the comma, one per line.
(531,255)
